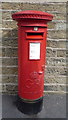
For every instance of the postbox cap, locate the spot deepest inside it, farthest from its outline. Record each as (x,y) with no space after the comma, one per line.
(32,14)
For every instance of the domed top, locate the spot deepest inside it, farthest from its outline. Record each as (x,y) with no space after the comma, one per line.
(32,14)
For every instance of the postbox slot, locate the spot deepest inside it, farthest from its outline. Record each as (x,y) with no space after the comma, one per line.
(31,35)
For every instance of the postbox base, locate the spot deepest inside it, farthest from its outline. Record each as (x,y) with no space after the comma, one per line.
(29,107)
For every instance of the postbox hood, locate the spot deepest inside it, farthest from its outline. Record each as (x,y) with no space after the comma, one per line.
(32,14)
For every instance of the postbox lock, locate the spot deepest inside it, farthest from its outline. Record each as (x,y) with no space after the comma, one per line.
(35,28)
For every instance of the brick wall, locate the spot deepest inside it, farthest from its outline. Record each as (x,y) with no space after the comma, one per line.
(55,73)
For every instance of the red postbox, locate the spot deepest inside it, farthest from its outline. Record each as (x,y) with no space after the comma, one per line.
(32,34)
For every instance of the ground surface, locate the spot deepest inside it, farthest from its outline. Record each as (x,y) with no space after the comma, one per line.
(54,106)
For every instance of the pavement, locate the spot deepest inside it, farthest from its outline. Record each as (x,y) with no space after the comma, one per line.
(54,106)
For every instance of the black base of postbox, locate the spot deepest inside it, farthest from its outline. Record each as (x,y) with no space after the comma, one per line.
(29,107)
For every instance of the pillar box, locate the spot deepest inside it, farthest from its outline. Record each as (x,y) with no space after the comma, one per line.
(32,34)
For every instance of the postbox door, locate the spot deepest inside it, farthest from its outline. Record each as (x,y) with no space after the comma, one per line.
(32,62)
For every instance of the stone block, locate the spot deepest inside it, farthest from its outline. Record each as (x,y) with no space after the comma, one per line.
(1,70)
(50,53)
(10,70)
(9,61)
(52,44)
(55,88)
(57,44)
(56,71)
(51,25)
(55,79)
(9,89)
(61,53)
(9,79)
(55,7)
(56,34)
(56,61)
(9,24)
(60,26)
(59,16)
(6,33)
(11,5)
(9,52)
(62,44)
(10,42)
(0,52)
(6,15)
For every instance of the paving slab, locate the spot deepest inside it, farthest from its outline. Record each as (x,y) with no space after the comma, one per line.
(54,106)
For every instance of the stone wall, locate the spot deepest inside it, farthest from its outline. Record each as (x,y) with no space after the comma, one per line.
(55,72)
